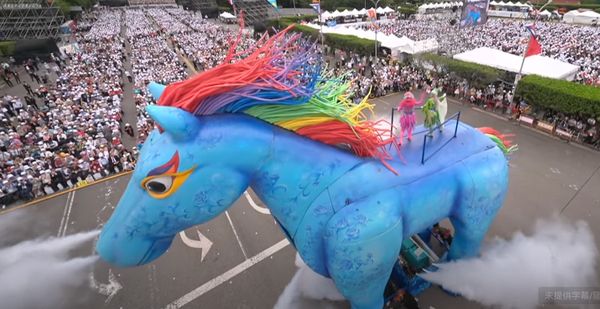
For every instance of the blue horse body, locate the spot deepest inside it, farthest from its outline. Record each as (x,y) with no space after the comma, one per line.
(346,215)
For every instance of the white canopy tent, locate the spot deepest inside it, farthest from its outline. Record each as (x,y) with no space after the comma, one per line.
(509,9)
(395,44)
(539,65)
(354,12)
(440,5)
(227,15)
(585,17)
(509,4)
(546,13)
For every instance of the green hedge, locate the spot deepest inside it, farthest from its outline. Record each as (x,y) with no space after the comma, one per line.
(569,7)
(65,5)
(559,95)
(309,31)
(7,48)
(407,11)
(478,75)
(350,42)
(296,19)
(339,41)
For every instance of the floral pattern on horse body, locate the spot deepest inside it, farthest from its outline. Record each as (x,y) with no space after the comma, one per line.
(271,121)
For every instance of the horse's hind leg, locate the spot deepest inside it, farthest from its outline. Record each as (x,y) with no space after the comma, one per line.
(471,222)
(362,244)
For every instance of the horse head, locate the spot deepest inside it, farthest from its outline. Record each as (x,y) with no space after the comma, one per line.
(181,179)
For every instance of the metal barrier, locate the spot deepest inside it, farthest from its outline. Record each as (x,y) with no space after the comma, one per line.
(457,115)
(423,159)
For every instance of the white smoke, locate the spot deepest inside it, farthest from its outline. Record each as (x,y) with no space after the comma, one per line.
(307,287)
(509,273)
(39,273)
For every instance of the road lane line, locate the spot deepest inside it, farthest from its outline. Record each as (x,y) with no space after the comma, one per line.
(62,219)
(252,203)
(215,282)
(68,217)
(63,192)
(236,235)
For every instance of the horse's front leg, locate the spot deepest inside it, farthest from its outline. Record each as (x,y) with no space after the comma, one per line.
(362,243)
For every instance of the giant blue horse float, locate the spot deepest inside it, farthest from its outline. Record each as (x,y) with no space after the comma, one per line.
(340,190)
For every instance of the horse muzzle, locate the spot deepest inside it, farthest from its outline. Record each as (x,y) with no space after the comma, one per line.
(125,251)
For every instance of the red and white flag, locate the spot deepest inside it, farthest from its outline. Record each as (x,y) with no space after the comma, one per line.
(372,13)
(534,47)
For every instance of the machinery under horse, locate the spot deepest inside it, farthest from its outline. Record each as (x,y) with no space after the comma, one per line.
(346,212)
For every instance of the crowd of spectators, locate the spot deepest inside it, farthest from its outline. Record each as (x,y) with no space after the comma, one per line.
(565,42)
(205,43)
(383,76)
(152,58)
(67,129)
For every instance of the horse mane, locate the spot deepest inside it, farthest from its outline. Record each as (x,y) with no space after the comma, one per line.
(280,80)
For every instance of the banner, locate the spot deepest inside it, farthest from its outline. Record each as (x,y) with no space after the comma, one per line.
(474,13)
(316,7)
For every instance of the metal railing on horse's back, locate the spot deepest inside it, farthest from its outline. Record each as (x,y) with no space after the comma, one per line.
(423,159)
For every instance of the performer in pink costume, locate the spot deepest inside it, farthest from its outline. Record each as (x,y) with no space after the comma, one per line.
(407,114)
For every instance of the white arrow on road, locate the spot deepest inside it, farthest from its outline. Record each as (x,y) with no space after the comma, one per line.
(109,290)
(202,243)
(261,210)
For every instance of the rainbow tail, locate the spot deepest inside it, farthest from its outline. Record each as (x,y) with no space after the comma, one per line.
(500,139)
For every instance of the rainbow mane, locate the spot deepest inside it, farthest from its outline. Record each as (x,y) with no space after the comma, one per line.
(500,139)
(280,81)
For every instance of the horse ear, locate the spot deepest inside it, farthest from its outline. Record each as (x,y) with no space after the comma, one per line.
(156,90)
(175,121)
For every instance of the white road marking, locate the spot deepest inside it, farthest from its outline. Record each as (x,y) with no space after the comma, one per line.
(68,214)
(64,222)
(62,219)
(215,282)
(262,210)
(109,290)
(203,243)
(236,235)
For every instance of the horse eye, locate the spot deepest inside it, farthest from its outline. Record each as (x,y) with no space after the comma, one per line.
(159,184)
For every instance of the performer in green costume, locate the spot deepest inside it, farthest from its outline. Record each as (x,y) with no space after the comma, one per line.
(430,113)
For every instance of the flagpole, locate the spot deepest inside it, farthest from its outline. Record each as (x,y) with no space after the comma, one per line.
(316,5)
(518,77)
(321,28)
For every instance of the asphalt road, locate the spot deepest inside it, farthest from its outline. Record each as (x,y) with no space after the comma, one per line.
(250,263)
